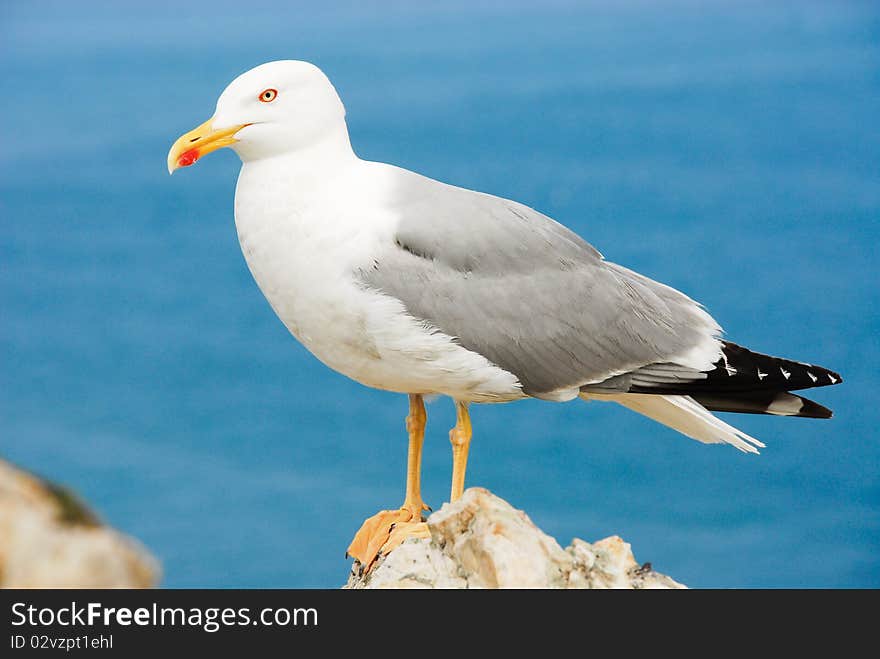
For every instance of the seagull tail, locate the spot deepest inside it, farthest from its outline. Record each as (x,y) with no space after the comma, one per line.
(684,414)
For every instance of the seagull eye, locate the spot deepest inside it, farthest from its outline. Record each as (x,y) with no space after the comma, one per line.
(268,95)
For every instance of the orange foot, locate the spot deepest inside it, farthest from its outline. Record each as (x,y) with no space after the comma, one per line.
(385,531)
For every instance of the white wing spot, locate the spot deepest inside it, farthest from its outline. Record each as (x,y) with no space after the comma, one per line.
(812,377)
(727,367)
(785,374)
(761,376)
(832,378)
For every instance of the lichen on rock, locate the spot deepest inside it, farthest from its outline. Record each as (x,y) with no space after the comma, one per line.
(51,539)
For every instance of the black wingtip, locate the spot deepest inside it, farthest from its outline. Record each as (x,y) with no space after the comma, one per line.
(783,403)
(813,410)
(754,371)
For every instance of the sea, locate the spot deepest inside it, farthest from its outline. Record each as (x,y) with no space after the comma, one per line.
(728,149)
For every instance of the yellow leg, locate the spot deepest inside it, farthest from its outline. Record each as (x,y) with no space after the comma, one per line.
(415,427)
(389,528)
(460,436)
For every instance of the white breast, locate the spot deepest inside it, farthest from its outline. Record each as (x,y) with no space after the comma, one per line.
(304,238)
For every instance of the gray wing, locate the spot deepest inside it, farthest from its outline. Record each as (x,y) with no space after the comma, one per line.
(527,293)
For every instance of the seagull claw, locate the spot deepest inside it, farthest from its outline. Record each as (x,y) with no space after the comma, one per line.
(383,532)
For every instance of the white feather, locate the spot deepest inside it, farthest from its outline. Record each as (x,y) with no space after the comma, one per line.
(684,414)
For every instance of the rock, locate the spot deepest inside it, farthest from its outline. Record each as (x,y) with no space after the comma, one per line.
(49,539)
(481,541)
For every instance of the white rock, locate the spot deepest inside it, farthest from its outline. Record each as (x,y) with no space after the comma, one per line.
(48,539)
(481,541)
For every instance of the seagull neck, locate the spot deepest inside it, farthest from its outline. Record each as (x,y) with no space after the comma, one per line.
(315,161)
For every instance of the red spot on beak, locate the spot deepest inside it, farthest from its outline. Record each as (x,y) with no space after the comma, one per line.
(187,158)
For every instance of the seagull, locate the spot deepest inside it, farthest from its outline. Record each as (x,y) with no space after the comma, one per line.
(414,286)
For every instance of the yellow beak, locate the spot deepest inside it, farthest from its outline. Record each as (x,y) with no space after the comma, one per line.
(191,146)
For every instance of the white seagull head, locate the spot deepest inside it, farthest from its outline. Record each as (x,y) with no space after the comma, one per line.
(275,108)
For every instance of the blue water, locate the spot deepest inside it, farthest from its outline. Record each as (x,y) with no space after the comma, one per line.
(731,151)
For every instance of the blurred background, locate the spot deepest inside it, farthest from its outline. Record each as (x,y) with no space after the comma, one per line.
(728,149)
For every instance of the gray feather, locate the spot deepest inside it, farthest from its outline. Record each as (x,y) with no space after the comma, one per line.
(526,292)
